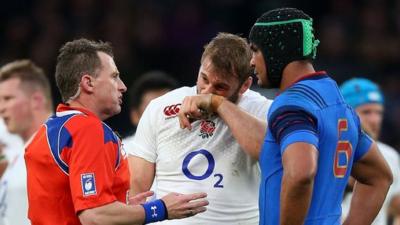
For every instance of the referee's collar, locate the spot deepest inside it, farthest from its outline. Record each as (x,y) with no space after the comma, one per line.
(63,110)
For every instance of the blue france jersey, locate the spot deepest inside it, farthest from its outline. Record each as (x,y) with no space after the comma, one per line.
(313,111)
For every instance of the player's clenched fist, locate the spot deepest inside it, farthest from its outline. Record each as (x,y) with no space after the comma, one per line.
(198,107)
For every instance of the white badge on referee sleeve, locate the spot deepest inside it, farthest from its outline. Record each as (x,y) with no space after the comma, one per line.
(88,183)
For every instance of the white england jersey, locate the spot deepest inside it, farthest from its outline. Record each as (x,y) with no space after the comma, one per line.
(393,159)
(206,159)
(13,191)
(128,143)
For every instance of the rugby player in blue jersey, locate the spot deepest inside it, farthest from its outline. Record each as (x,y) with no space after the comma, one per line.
(313,140)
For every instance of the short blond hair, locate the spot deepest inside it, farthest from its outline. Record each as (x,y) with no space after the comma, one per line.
(230,55)
(32,77)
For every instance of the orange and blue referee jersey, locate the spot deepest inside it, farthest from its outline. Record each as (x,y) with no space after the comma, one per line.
(74,162)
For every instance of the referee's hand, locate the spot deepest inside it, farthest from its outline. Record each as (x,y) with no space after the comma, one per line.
(185,205)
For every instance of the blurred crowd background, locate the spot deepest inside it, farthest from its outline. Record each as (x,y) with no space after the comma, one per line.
(358,38)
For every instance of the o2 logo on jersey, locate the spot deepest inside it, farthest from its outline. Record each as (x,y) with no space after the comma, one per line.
(207,173)
(88,183)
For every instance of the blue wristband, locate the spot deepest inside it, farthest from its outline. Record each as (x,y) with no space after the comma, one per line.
(155,211)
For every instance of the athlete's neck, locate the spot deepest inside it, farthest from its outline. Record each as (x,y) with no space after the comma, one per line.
(295,71)
(38,119)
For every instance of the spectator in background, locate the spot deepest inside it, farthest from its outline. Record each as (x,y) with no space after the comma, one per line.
(25,104)
(368,101)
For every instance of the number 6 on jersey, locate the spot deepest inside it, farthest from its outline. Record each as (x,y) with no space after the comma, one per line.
(342,147)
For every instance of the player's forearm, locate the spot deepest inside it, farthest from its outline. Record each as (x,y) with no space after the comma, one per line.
(373,179)
(113,213)
(375,195)
(172,206)
(248,130)
(142,175)
(295,200)
(138,185)
(300,163)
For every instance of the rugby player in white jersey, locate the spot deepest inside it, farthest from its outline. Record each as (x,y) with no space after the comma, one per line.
(367,99)
(208,158)
(25,103)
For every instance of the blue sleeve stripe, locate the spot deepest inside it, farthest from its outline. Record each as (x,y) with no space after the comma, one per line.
(294,126)
(314,93)
(282,117)
(290,121)
(305,95)
(308,93)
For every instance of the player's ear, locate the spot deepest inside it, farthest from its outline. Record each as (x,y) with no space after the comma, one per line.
(86,83)
(246,85)
(37,100)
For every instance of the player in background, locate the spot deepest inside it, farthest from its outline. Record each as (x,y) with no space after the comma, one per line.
(368,101)
(5,148)
(10,145)
(76,171)
(314,139)
(147,87)
(208,159)
(25,104)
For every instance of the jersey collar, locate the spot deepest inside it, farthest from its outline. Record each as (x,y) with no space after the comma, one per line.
(311,76)
(63,110)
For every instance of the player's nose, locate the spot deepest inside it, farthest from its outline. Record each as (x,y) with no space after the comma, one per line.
(252,61)
(122,87)
(208,89)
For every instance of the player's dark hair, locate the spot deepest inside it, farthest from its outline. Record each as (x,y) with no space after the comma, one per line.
(150,81)
(77,58)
